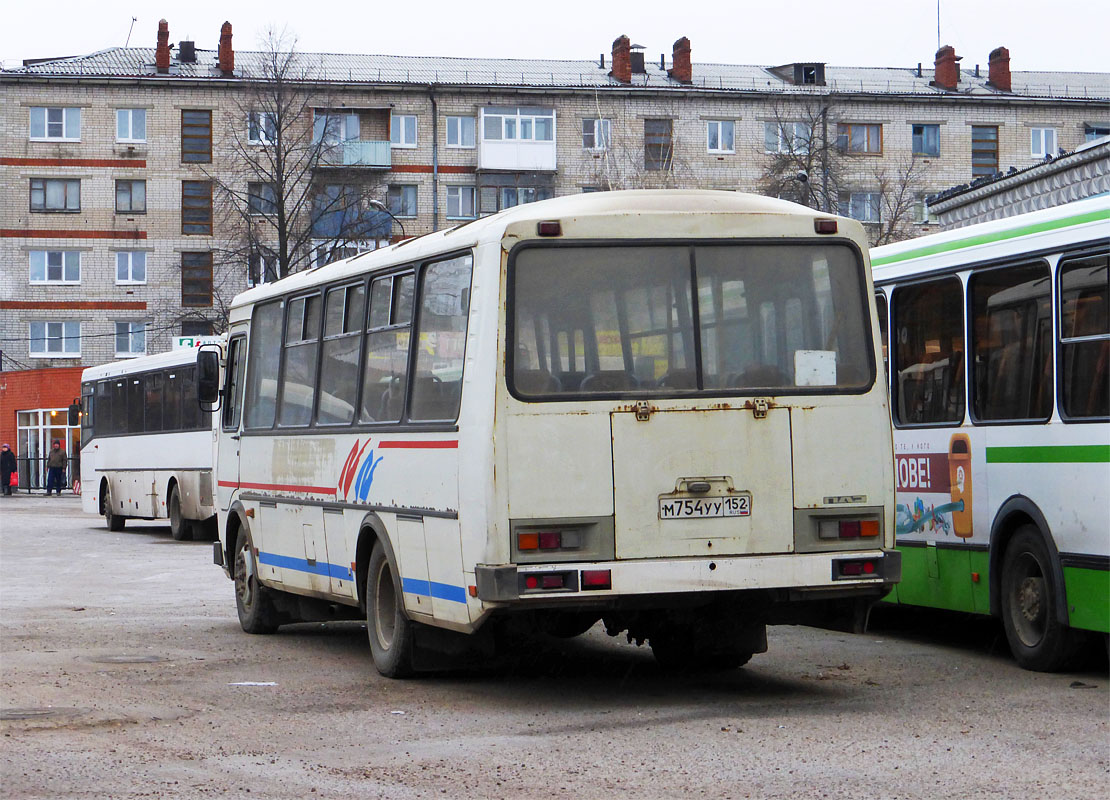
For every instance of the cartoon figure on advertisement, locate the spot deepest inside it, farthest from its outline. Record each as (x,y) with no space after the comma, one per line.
(927,474)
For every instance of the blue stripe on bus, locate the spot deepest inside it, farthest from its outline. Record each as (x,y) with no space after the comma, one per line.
(443,591)
(337,571)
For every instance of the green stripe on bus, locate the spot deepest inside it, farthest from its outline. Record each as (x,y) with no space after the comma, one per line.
(1060,454)
(997,236)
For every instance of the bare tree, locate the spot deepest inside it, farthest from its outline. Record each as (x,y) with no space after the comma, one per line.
(900,186)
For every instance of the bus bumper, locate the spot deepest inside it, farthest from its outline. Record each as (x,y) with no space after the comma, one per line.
(866,572)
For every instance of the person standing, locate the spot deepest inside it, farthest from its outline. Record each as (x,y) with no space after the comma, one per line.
(55,468)
(7,468)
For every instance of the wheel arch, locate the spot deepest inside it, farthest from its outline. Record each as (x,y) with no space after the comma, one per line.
(372,529)
(236,520)
(1016,512)
(105,490)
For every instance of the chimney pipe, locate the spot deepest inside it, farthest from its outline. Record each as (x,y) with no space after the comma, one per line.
(162,51)
(681,69)
(998,69)
(227,54)
(946,73)
(622,59)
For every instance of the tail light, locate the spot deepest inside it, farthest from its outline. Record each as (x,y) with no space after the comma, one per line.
(597,579)
(847,528)
(549,540)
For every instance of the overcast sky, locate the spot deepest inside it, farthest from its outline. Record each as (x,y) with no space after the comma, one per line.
(1054,35)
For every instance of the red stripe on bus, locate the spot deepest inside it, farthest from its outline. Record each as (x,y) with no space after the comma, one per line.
(417,445)
(279,487)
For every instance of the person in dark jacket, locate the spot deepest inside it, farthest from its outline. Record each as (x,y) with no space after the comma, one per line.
(55,468)
(7,468)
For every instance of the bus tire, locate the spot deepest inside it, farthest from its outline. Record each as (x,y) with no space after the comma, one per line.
(252,600)
(390,631)
(180,528)
(1038,640)
(114,521)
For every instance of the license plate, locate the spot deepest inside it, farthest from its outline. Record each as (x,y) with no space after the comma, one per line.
(739,505)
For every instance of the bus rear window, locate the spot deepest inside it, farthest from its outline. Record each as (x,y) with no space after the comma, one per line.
(772,319)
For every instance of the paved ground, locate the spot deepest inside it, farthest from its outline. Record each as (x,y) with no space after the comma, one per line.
(123,672)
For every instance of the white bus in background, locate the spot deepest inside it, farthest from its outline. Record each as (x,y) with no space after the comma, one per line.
(660,409)
(146,445)
(1001,397)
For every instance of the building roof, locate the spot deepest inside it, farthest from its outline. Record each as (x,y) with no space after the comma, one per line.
(138,62)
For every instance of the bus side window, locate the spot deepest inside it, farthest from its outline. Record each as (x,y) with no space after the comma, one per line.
(152,384)
(441,334)
(233,392)
(386,357)
(171,401)
(262,366)
(880,310)
(1085,337)
(929,352)
(298,374)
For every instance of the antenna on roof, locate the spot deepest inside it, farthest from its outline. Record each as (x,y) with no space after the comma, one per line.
(128,41)
(938,24)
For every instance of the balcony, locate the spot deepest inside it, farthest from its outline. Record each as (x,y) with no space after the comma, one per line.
(357,153)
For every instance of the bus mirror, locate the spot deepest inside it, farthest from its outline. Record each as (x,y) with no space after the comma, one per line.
(208,377)
(74,418)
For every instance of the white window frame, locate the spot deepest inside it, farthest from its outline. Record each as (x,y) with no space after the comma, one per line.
(399,131)
(923,151)
(259,126)
(66,333)
(70,119)
(128,257)
(873,203)
(456,128)
(63,256)
(513,126)
(404,187)
(129,114)
(599,131)
(135,328)
(455,195)
(786,136)
(1040,145)
(921,213)
(720,126)
(338,126)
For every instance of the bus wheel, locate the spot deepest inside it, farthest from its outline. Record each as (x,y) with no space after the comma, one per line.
(113,520)
(180,528)
(389,629)
(252,600)
(1038,640)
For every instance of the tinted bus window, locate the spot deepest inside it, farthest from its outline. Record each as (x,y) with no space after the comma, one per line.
(386,362)
(262,366)
(190,407)
(880,310)
(929,352)
(345,310)
(153,384)
(171,403)
(298,373)
(441,339)
(1011,343)
(1084,337)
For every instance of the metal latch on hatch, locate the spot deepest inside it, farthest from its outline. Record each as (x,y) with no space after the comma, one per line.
(643,411)
(760,406)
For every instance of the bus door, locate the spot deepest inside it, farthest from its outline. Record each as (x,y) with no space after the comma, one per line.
(227,455)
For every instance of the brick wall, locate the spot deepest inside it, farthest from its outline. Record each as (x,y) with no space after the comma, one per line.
(26,390)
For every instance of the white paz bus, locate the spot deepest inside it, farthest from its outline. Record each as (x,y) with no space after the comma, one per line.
(146,444)
(1000,387)
(660,409)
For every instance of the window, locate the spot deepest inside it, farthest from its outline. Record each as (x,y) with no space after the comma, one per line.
(386,362)
(1011,343)
(771,318)
(233,376)
(719,136)
(523,123)
(196,280)
(333,127)
(262,267)
(1084,336)
(130,197)
(55,266)
(984,150)
(928,333)
(130,124)
(344,315)
(921,213)
(1092,132)
(441,331)
(55,194)
(153,394)
(402,201)
(196,327)
(460,131)
(131,266)
(460,202)
(926,140)
(402,130)
(519,195)
(657,143)
(298,376)
(860,138)
(130,339)
(262,365)
(196,137)
(261,127)
(196,207)
(786,137)
(55,339)
(596,134)
(864,206)
(55,124)
(261,198)
(880,312)
(1042,142)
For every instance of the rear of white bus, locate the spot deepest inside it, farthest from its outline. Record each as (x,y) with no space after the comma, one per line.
(692,434)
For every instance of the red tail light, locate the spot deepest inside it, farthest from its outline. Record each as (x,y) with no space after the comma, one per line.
(597,579)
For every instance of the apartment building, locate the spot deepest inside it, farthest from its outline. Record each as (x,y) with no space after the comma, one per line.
(135,197)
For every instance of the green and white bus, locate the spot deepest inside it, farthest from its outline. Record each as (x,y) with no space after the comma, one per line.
(997,360)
